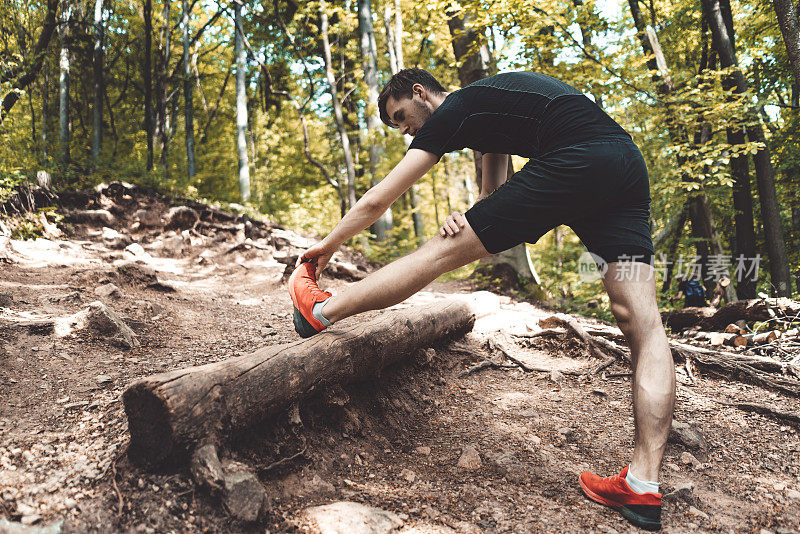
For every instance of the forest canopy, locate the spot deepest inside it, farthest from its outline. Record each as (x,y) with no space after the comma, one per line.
(273,106)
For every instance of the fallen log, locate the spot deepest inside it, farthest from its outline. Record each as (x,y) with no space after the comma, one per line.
(751,310)
(171,413)
(722,338)
(686,317)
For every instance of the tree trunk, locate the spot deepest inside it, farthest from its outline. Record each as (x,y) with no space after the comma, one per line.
(148,79)
(97,64)
(170,413)
(18,79)
(241,103)
(337,108)
(722,36)
(390,41)
(45,112)
(188,101)
(63,85)
(789,23)
(370,65)
(163,124)
(394,32)
(473,67)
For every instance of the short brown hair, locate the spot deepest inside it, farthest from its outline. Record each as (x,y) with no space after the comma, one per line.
(399,86)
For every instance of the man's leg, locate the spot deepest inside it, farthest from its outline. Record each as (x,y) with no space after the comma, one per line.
(631,290)
(402,278)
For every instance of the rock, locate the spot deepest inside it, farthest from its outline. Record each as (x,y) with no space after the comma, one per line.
(173,246)
(148,218)
(98,318)
(507,465)
(557,377)
(114,239)
(181,217)
(6,298)
(93,217)
(103,380)
(470,459)
(688,458)
(9,527)
(408,475)
(567,433)
(699,513)
(424,451)
(691,438)
(106,290)
(137,274)
(318,486)
(137,250)
(349,518)
(793,494)
(244,496)
(682,491)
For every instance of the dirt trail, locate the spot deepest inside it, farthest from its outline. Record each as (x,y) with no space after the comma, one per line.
(395,444)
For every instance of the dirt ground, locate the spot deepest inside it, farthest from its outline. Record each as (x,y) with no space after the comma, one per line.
(394,445)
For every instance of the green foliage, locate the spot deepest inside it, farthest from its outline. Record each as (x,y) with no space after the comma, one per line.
(590,46)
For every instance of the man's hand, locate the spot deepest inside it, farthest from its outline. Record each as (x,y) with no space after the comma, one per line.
(453,224)
(319,254)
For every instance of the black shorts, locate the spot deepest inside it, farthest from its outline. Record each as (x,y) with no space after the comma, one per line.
(599,188)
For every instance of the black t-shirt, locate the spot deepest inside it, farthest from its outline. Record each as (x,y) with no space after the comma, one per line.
(522,113)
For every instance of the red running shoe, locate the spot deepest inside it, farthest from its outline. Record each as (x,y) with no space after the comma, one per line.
(305,293)
(641,509)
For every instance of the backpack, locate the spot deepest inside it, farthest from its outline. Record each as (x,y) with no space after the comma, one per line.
(694,289)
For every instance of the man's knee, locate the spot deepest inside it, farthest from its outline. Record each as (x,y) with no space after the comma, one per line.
(632,317)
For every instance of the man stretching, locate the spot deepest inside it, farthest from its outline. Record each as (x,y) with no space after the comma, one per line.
(584,171)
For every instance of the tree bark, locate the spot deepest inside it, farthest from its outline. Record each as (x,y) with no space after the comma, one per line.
(241,104)
(97,64)
(188,101)
(722,38)
(163,125)
(45,113)
(20,79)
(147,67)
(63,85)
(370,65)
(789,23)
(337,108)
(170,413)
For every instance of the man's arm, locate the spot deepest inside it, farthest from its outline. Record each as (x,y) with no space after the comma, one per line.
(494,172)
(372,204)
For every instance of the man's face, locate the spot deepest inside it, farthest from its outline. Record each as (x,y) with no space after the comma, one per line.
(409,114)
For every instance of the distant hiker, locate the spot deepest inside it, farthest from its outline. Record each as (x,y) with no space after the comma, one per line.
(692,291)
(583,171)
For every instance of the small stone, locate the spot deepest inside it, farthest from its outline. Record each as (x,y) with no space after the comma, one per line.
(103,379)
(688,458)
(698,513)
(106,290)
(470,459)
(6,298)
(181,218)
(243,495)
(690,437)
(682,491)
(148,218)
(567,432)
(349,518)
(136,249)
(557,377)
(793,494)
(408,475)
(70,503)
(424,451)
(672,466)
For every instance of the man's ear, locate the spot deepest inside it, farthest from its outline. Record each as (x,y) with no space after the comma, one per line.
(418,89)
